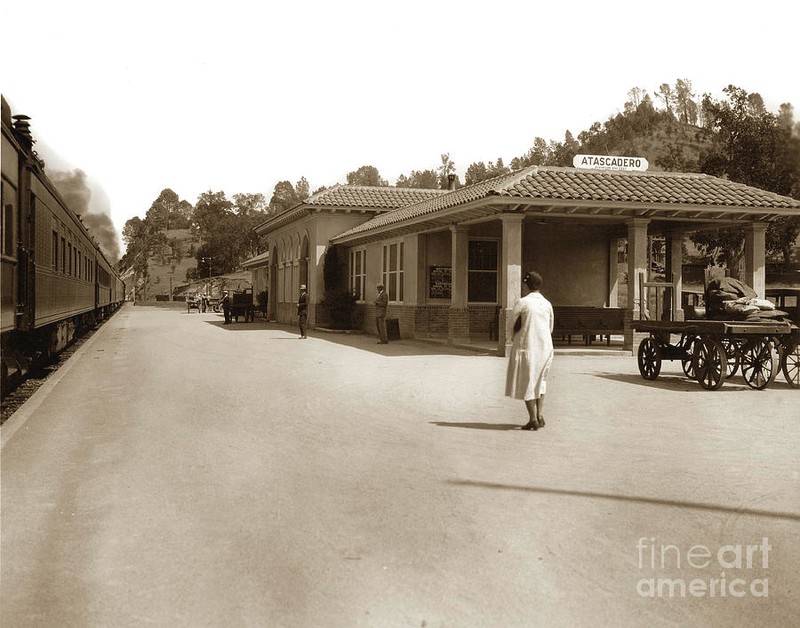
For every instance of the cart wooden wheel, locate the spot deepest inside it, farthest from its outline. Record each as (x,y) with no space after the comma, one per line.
(791,364)
(649,358)
(733,354)
(777,345)
(760,363)
(709,363)
(687,362)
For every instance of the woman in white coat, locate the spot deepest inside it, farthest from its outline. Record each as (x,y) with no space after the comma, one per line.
(531,350)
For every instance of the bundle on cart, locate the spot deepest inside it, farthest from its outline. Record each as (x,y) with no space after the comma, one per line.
(730,299)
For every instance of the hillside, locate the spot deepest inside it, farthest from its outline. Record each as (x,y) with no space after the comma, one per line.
(167,268)
(167,271)
(674,146)
(672,141)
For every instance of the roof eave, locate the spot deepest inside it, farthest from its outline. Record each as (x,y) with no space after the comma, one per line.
(724,215)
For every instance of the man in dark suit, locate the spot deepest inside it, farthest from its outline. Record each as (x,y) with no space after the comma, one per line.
(302,311)
(381,303)
(226,307)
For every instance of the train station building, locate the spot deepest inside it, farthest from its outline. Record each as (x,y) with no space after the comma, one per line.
(453,260)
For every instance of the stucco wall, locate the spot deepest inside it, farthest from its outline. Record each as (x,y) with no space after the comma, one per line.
(572,259)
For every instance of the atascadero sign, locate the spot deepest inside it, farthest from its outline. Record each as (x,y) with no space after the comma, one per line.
(610,162)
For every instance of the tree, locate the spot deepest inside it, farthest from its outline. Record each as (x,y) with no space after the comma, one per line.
(537,155)
(475,172)
(635,94)
(445,169)
(302,188)
(685,106)
(781,236)
(722,247)
(211,208)
(562,154)
(749,145)
(420,179)
(284,197)
(168,211)
(246,205)
(665,94)
(366,175)
(480,172)
(251,210)
(142,238)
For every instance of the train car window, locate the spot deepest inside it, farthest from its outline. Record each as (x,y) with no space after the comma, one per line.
(55,250)
(63,255)
(69,256)
(8,229)
(9,239)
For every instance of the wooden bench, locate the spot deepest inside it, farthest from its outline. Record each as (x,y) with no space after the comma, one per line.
(587,322)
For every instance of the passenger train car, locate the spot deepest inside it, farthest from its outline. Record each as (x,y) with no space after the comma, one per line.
(55,282)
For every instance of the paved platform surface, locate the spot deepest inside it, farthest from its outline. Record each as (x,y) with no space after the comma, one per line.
(180,472)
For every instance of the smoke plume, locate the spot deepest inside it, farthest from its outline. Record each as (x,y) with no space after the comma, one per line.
(74,189)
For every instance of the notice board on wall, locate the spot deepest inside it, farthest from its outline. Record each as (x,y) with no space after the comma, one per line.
(440,282)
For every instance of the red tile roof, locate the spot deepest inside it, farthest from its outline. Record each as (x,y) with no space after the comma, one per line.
(348,197)
(639,187)
(370,197)
(606,187)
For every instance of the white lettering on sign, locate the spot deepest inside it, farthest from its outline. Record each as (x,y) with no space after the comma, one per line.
(610,162)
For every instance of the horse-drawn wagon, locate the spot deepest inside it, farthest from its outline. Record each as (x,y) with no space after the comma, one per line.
(241,304)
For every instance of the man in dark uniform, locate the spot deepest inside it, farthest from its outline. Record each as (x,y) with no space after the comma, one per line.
(381,303)
(302,311)
(226,307)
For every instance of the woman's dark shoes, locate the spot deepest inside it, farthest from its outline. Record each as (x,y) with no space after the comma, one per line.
(530,425)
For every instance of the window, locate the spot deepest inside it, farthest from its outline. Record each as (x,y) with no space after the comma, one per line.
(55,250)
(69,255)
(393,270)
(358,273)
(8,224)
(63,255)
(482,271)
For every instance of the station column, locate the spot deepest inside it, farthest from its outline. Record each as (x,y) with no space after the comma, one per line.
(755,274)
(637,264)
(511,266)
(674,269)
(458,317)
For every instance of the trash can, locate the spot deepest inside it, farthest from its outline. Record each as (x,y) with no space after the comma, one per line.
(393,328)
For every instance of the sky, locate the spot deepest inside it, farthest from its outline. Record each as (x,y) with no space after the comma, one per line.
(236,96)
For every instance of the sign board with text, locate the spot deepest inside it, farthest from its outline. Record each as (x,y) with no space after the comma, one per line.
(610,162)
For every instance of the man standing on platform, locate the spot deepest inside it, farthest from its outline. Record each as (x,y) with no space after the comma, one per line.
(302,311)
(381,303)
(226,307)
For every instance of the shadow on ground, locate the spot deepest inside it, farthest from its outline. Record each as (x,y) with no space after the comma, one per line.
(669,382)
(357,340)
(478,426)
(792,516)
